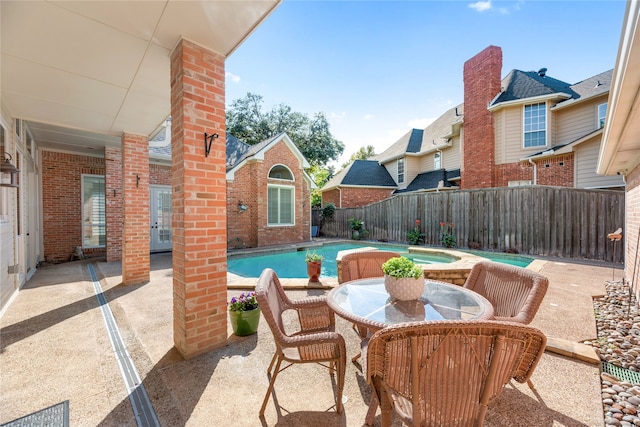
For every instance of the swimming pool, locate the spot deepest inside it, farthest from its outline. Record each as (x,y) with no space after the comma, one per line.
(292,265)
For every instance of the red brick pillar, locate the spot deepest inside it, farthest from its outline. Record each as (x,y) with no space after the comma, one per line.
(481,84)
(199,220)
(113,188)
(135,230)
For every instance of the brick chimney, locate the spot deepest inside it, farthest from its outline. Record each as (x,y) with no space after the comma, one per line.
(482,83)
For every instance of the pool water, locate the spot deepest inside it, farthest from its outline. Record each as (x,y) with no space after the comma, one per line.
(292,265)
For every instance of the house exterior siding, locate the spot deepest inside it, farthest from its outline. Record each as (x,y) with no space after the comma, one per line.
(586,158)
(61,203)
(358,197)
(451,158)
(575,121)
(331,196)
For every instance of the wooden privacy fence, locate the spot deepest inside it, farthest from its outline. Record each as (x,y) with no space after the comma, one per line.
(534,220)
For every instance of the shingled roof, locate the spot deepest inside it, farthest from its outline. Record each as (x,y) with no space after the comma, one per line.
(368,173)
(432,180)
(528,84)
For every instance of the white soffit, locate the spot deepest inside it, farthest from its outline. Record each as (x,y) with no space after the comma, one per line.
(103,66)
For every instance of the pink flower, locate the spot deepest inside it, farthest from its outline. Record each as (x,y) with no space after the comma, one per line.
(417,222)
(441,224)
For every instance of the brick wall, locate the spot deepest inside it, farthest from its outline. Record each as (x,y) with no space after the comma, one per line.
(199,207)
(512,172)
(331,196)
(356,197)
(242,226)
(114,202)
(62,203)
(135,230)
(482,83)
(556,171)
(631,229)
(159,174)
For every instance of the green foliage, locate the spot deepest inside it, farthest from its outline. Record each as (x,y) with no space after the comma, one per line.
(320,176)
(447,238)
(400,267)
(328,211)
(247,121)
(356,224)
(415,236)
(363,153)
(313,257)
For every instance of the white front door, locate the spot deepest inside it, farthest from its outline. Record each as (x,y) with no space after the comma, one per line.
(160,203)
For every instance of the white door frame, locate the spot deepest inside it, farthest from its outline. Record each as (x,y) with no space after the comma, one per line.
(160,238)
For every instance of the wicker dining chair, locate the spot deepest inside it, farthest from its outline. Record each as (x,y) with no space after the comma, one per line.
(362,264)
(515,292)
(315,342)
(448,372)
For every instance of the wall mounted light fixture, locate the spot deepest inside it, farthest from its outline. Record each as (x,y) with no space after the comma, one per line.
(8,172)
(208,140)
(242,207)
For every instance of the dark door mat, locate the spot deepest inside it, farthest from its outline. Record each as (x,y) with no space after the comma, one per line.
(53,416)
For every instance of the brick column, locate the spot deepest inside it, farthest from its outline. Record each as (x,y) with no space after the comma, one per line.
(481,84)
(114,195)
(198,200)
(135,230)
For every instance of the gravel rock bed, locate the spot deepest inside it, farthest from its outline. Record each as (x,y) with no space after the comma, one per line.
(618,343)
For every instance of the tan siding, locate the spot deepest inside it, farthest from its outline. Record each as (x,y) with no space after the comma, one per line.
(452,156)
(392,168)
(499,130)
(586,157)
(412,167)
(575,122)
(513,136)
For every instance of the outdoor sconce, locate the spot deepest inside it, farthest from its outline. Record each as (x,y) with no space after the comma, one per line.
(8,173)
(242,207)
(208,140)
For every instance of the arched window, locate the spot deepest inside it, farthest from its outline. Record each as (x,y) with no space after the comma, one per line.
(281,172)
(280,198)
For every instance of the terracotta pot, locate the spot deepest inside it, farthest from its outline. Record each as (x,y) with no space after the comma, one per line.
(313,270)
(245,322)
(404,288)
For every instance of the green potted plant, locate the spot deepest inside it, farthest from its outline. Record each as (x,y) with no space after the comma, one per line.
(314,265)
(357,227)
(403,279)
(244,314)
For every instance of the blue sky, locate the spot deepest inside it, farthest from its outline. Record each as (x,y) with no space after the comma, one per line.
(379,68)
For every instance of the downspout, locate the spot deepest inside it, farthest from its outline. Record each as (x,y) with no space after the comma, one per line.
(535,172)
(340,196)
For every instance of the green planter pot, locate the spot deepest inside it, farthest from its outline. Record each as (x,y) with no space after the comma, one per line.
(245,322)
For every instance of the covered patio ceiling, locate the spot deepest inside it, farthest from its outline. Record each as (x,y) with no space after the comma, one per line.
(80,73)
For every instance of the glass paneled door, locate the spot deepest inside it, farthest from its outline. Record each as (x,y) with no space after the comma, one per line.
(160,199)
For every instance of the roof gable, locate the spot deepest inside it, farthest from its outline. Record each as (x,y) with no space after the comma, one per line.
(366,173)
(432,180)
(519,85)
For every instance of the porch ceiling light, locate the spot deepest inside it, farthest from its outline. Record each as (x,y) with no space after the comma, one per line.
(8,173)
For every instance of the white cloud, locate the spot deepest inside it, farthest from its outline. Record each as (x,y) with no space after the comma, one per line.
(420,123)
(337,116)
(481,6)
(232,77)
(368,117)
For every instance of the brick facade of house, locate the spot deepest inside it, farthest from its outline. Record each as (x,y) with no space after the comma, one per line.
(482,81)
(62,203)
(356,197)
(114,202)
(631,228)
(249,187)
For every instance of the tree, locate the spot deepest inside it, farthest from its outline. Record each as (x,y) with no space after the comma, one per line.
(320,176)
(247,121)
(364,153)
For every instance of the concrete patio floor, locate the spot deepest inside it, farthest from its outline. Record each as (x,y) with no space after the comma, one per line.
(55,347)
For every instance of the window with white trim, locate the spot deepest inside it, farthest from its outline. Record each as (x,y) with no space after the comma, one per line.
(401,171)
(437,161)
(280,205)
(94,219)
(535,125)
(602,114)
(281,172)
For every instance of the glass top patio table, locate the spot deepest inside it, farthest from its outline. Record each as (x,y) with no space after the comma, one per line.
(367,303)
